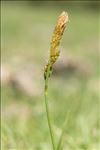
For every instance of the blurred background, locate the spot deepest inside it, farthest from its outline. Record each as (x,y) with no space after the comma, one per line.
(26,30)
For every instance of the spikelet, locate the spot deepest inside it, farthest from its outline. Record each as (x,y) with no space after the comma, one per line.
(55,41)
(58,32)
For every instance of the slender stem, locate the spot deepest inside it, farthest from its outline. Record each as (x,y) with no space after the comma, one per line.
(47,109)
(82,93)
(63,131)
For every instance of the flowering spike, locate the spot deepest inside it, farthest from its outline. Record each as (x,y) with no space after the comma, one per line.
(58,32)
(55,41)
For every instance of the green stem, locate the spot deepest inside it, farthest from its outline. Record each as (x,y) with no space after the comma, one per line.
(63,131)
(47,109)
(82,93)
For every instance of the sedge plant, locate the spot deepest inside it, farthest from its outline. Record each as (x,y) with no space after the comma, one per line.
(54,54)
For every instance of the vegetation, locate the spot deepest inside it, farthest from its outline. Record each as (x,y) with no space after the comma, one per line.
(74,95)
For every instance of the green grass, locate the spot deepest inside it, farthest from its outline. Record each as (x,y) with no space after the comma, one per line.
(26,33)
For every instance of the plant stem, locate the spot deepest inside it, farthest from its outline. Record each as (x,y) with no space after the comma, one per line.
(47,108)
(63,131)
